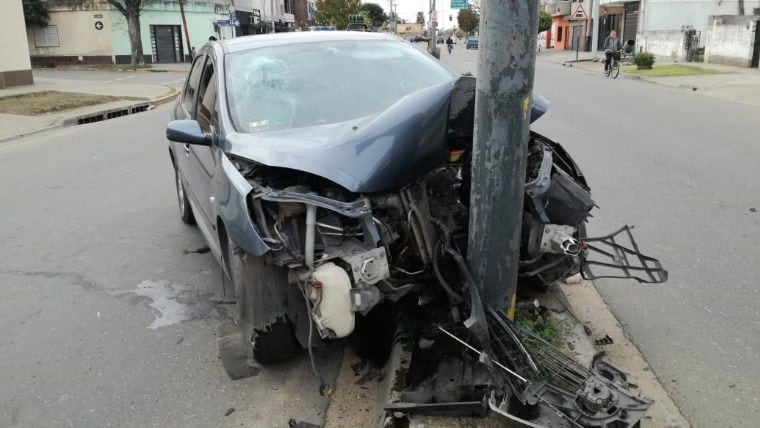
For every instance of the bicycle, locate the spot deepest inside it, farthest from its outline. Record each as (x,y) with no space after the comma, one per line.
(614,68)
(450,47)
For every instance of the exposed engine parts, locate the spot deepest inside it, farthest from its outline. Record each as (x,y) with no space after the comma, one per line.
(349,252)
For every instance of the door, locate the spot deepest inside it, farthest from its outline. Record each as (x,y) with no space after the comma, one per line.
(186,110)
(202,161)
(756,50)
(165,47)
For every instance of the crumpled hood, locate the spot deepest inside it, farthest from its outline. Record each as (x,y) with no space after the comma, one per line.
(365,155)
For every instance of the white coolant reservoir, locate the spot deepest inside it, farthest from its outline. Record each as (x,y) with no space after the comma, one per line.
(334,310)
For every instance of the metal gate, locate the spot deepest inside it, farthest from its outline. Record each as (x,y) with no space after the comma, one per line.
(608,23)
(631,22)
(691,44)
(166,41)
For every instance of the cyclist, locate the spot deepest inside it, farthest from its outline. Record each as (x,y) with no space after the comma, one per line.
(611,48)
(449,44)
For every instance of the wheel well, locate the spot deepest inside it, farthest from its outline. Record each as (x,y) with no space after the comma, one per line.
(223,240)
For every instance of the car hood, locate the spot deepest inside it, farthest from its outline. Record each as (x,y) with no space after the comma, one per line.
(367,155)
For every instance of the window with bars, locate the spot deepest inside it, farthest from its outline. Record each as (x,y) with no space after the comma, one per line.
(46,37)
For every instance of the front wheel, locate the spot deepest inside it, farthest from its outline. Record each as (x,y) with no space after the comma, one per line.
(615,70)
(185,211)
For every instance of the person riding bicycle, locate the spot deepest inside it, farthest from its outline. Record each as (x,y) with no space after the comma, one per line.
(449,44)
(611,48)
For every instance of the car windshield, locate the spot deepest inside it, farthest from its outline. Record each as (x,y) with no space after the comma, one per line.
(310,84)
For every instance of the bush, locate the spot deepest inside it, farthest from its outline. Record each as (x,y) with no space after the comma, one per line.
(643,60)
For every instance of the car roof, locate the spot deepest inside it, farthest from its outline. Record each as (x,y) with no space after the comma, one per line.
(278,39)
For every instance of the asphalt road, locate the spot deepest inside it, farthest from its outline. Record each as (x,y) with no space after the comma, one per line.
(684,168)
(107,319)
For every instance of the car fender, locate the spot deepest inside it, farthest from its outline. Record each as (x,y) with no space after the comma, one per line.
(232,208)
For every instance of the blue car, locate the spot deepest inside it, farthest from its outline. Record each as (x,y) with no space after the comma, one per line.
(472,43)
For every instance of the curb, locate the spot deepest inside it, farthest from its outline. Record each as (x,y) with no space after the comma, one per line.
(585,304)
(133,108)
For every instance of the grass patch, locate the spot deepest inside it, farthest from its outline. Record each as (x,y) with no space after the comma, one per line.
(540,324)
(51,101)
(669,70)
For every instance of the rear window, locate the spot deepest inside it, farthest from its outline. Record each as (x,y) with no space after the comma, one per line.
(311,84)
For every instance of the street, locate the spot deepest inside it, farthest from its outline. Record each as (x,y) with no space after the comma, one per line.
(109,319)
(110,314)
(683,168)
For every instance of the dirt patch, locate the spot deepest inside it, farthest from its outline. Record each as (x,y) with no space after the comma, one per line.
(37,103)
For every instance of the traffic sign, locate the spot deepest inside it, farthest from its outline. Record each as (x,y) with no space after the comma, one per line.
(459,4)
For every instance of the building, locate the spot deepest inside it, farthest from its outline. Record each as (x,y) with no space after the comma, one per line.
(676,29)
(264,16)
(570,25)
(15,68)
(94,32)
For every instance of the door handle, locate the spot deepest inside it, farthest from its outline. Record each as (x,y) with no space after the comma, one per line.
(187,149)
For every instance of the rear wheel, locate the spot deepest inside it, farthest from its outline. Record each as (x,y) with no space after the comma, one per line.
(185,211)
(258,288)
(615,69)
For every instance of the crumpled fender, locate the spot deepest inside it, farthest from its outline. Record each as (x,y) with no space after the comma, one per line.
(232,208)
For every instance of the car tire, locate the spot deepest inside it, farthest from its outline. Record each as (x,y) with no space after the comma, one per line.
(276,342)
(185,210)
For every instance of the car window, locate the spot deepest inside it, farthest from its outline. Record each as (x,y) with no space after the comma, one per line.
(205,111)
(191,87)
(310,84)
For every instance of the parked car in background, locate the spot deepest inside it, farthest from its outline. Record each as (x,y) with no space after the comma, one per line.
(416,39)
(440,40)
(322,28)
(472,43)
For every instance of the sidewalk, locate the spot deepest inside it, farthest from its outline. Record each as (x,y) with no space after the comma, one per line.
(733,84)
(14,125)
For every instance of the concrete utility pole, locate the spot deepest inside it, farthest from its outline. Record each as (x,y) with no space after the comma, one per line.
(594,27)
(507,52)
(432,23)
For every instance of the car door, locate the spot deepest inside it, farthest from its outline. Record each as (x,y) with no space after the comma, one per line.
(202,159)
(185,109)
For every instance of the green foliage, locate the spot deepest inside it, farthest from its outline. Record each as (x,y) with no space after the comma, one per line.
(373,14)
(35,13)
(643,60)
(420,18)
(459,33)
(544,21)
(335,12)
(542,325)
(468,20)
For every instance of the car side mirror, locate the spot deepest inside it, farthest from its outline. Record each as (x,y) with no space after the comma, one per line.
(187,131)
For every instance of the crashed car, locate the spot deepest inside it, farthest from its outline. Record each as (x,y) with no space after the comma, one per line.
(330,173)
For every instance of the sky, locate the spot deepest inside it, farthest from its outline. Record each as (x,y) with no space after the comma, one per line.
(407,9)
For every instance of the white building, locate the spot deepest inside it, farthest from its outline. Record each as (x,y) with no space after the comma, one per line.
(15,67)
(675,29)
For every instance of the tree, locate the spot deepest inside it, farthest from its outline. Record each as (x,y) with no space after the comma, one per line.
(35,13)
(420,18)
(544,21)
(335,12)
(468,20)
(131,11)
(374,12)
